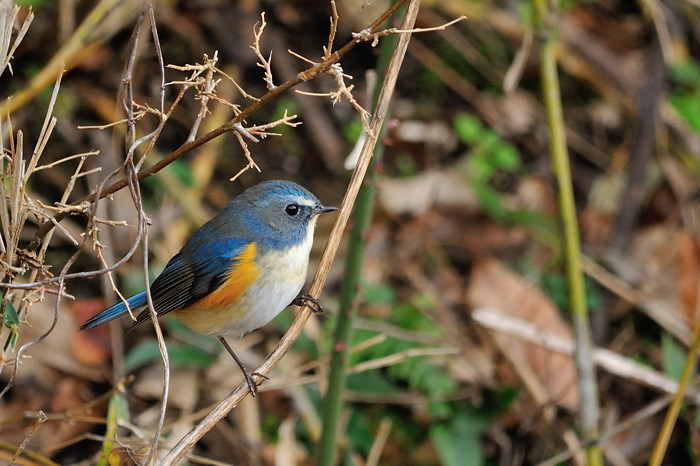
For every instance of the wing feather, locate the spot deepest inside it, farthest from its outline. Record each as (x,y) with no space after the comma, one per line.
(189,277)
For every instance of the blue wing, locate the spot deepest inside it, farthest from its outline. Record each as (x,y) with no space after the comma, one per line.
(200,268)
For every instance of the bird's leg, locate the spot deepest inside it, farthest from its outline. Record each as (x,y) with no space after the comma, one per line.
(246,373)
(307,300)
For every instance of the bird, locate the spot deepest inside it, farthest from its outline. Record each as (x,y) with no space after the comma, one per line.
(238,270)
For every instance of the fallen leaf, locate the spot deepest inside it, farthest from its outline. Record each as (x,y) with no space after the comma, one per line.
(688,275)
(493,285)
(90,347)
(417,194)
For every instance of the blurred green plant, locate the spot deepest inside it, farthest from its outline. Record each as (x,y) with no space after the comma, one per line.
(453,427)
(34,4)
(685,95)
(422,375)
(10,319)
(458,440)
(490,159)
(117,414)
(352,130)
(489,156)
(673,356)
(553,283)
(189,349)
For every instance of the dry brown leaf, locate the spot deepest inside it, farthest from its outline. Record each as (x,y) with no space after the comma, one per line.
(69,395)
(92,347)
(493,285)
(419,193)
(184,387)
(651,268)
(688,275)
(57,349)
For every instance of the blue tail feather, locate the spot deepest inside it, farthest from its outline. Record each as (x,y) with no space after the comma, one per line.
(115,311)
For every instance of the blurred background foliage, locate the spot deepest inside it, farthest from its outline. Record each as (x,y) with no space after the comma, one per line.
(465,219)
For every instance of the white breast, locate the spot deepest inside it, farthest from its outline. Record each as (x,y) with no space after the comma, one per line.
(283,274)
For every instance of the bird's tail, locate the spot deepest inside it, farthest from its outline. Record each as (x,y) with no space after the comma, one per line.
(115,311)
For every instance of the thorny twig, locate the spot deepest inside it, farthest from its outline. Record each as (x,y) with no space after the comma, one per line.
(205,86)
(264,63)
(336,71)
(15,210)
(306,75)
(135,190)
(331,35)
(367,34)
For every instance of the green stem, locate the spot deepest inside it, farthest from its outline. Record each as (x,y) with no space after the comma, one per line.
(577,294)
(362,218)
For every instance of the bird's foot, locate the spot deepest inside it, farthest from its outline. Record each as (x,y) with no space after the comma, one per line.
(307,300)
(251,381)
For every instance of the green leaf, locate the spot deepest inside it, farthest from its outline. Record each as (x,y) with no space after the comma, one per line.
(370,382)
(458,443)
(686,73)
(10,318)
(688,106)
(491,202)
(117,414)
(378,294)
(183,172)
(507,158)
(360,431)
(468,128)
(490,142)
(685,94)
(673,356)
(352,130)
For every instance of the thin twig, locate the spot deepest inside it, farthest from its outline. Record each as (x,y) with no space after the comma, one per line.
(367,34)
(612,362)
(40,420)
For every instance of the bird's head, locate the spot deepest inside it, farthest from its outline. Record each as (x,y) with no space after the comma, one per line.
(280,214)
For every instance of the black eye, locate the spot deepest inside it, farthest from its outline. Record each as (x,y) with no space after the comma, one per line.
(291,209)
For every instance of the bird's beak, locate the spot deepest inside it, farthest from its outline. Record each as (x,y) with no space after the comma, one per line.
(322,209)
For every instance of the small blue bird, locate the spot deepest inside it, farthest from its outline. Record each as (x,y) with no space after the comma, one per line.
(239,270)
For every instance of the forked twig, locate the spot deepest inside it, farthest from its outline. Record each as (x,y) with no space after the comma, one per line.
(367,34)
(264,63)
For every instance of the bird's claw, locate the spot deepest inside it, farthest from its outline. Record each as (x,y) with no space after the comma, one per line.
(307,300)
(251,382)
(246,373)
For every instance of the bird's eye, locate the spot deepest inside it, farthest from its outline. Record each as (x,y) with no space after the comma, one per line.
(291,209)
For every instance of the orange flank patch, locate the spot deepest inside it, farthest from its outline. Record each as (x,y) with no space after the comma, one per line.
(243,273)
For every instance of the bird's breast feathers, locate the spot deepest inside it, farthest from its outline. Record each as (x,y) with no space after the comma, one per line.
(259,286)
